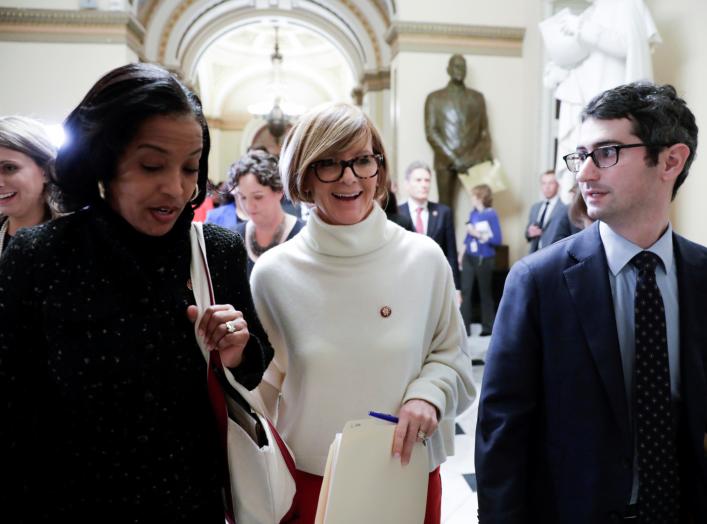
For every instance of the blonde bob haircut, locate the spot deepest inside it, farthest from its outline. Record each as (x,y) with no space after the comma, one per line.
(324,132)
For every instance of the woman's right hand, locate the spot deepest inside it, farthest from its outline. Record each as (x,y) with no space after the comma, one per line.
(223,329)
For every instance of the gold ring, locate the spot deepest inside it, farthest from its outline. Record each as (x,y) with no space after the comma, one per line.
(231,326)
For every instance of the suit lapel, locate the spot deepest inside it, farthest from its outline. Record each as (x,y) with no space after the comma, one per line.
(432,219)
(405,210)
(692,295)
(588,285)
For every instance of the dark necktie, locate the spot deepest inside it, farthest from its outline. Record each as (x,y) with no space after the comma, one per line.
(541,220)
(658,478)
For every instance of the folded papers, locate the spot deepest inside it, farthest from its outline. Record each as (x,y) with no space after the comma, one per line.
(364,483)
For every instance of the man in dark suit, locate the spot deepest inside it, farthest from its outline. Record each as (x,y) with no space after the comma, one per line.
(429,218)
(594,401)
(545,214)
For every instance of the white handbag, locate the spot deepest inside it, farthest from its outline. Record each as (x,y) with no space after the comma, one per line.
(261,466)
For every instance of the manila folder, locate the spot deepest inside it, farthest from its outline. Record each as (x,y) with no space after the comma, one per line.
(363,482)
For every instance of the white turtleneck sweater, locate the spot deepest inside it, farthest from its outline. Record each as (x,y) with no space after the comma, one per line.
(320,298)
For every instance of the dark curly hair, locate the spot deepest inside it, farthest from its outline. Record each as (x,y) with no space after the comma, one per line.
(658,114)
(260,164)
(107,120)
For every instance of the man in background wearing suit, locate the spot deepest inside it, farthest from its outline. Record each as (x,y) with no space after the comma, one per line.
(430,218)
(545,213)
(594,402)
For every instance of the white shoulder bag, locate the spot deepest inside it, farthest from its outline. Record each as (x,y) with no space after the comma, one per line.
(261,466)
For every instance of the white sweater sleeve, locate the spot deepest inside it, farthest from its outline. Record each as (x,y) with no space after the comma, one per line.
(265,307)
(445,380)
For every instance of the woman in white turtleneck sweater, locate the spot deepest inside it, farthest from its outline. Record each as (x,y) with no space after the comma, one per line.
(375,323)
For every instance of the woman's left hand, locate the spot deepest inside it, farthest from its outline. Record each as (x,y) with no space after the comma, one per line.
(223,329)
(417,420)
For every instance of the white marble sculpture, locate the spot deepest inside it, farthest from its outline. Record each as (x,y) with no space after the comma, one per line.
(609,44)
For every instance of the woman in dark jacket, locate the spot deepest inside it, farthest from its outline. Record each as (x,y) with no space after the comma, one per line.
(105,412)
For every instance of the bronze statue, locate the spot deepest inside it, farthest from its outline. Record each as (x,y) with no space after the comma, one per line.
(457,129)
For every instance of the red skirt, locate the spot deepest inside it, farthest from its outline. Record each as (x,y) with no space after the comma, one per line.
(304,507)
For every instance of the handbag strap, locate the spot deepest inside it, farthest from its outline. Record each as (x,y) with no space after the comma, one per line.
(201,284)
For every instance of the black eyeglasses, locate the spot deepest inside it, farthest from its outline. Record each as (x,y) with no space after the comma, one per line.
(329,170)
(604,156)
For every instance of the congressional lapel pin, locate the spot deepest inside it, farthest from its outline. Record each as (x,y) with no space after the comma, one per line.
(386,311)
(434,213)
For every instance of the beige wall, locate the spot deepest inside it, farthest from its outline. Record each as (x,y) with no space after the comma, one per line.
(41,4)
(512,89)
(47,80)
(478,12)
(682,61)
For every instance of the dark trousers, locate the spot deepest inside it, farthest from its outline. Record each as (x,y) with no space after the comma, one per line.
(479,269)
(446,184)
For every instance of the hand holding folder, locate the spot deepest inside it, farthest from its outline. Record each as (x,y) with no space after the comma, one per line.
(363,482)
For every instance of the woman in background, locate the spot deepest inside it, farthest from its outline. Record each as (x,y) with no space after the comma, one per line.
(258,187)
(483,234)
(105,413)
(226,213)
(375,323)
(26,165)
(574,220)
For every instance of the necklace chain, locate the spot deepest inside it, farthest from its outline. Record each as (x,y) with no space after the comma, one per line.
(256,248)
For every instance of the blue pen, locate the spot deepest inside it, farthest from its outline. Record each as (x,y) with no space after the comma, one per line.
(383,416)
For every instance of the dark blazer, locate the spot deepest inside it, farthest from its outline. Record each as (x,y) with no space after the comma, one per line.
(440,227)
(549,232)
(553,442)
(561,227)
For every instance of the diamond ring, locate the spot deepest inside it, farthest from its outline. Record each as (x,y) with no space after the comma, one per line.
(421,435)
(231,326)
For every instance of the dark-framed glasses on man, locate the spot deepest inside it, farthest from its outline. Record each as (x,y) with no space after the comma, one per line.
(603,157)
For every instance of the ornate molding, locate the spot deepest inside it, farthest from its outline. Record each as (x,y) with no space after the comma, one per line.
(367,27)
(383,10)
(230,123)
(169,26)
(468,39)
(68,26)
(350,10)
(150,11)
(377,81)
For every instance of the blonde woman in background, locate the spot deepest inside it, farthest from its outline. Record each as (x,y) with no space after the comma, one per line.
(26,162)
(376,325)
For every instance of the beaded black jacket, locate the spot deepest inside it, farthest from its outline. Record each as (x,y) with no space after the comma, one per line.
(104,411)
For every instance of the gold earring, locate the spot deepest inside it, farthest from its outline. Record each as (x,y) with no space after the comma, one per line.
(195,195)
